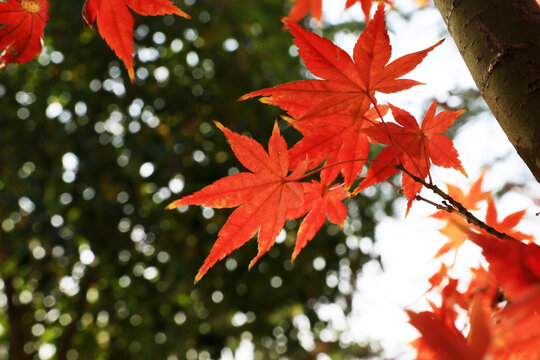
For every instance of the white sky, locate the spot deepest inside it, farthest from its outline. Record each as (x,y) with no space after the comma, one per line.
(407,246)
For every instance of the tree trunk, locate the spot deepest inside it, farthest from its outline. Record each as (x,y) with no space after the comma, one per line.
(500,43)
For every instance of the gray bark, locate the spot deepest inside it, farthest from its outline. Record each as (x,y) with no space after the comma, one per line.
(500,43)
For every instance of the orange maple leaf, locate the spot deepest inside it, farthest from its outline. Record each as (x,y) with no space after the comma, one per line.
(263,196)
(507,224)
(513,264)
(338,139)
(345,84)
(319,202)
(455,227)
(441,340)
(366,6)
(413,147)
(22,28)
(516,331)
(302,7)
(115,22)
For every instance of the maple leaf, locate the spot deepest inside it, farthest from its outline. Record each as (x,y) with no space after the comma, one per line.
(456,225)
(442,340)
(412,147)
(22,28)
(514,265)
(344,84)
(516,331)
(115,22)
(301,8)
(319,202)
(366,6)
(507,224)
(263,196)
(484,287)
(338,139)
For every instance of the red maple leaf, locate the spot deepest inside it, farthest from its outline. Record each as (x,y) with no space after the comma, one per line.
(345,84)
(366,6)
(22,28)
(517,330)
(441,340)
(412,147)
(507,224)
(115,22)
(263,196)
(319,202)
(302,7)
(338,139)
(514,265)
(456,226)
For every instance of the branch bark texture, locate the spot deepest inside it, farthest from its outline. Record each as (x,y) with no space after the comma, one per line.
(500,43)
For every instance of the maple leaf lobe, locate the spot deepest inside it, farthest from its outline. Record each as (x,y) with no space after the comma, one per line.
(115,22)
(22,29)
(32,6)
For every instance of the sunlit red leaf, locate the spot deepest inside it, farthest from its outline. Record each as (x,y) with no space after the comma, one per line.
(344,84)
(21,33)
(366,6)
(516,331)
(115,22)
(507,224)
(514,265)
(319,202)
(446,342)
(455,225)
(302,7)
(264,196)
(338,139)
(413,147)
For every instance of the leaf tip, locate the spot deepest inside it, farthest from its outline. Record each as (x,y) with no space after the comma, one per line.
(182,14)
(174,205)
(266,100)
(254,261)
(244,97)
(294,255)
(286,21)
(220,126)
(131,74)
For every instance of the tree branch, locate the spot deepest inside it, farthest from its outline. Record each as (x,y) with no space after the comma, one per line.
(500,41)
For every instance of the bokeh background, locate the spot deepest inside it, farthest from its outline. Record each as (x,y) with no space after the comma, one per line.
(93,267)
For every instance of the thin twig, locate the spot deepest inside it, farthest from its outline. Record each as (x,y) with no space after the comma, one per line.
(455,206)
(332,165)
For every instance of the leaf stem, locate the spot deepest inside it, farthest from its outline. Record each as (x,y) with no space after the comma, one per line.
(332,165)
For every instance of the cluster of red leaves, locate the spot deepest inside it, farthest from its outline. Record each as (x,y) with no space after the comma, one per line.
(301,8)
(22,31)
(502,302)
(339,119)
(23,23)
